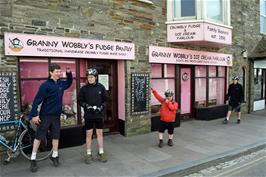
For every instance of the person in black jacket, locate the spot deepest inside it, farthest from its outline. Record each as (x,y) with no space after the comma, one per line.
(50,95)
(93,97)
(236,97)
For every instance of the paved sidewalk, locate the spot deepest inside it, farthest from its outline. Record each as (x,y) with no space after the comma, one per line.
(195,142)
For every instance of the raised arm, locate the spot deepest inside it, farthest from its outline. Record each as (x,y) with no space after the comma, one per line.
(157,96)
(68,82)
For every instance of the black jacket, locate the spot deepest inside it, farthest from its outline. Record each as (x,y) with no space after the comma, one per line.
(235,94)
(93,95)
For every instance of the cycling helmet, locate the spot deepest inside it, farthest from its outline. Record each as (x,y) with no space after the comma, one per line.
(92,71)
(235,78)
(168,93)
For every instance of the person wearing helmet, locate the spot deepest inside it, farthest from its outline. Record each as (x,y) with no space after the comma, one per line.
(168,111)
(50,96)
(93,97)
(236,97)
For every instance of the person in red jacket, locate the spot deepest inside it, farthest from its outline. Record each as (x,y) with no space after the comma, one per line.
(168,111)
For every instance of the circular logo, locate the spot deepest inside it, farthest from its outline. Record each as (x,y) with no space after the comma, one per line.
(15,45)
(185,76)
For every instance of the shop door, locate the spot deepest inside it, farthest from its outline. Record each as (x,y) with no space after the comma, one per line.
(185,92)
(108,77)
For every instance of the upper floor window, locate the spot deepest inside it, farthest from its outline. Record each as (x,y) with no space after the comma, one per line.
(217,11)
(263,16)
(184,8)
(214,10)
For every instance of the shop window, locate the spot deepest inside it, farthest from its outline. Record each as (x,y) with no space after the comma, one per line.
(215,92)
(221,71)
(161,82)
(156,71)
(259,84)
(33,72)
(212,71)
(169,71)
(30,67)
(200,71)
(200,92)
(263,16)
(217,11)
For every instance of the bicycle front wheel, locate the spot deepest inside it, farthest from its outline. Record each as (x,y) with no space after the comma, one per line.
(26,144)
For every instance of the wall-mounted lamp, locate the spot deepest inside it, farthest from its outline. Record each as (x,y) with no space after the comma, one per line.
(244,53)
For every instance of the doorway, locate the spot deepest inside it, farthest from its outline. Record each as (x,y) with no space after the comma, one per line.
(107,71)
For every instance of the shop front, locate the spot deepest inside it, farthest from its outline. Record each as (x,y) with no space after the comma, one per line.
(198,78)
(259,84)
(36,52)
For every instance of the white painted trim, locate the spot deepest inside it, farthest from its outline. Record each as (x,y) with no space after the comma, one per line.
(197,21)
(200,13)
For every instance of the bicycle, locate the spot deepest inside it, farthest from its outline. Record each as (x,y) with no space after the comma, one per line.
(23,141)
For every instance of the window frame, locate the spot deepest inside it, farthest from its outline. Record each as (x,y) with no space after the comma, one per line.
(262,16)
(200,14)
(162,77)
(207,78)
(43,79)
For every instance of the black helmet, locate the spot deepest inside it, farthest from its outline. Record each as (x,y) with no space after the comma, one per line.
(92,71)
(235,78)
(168,93)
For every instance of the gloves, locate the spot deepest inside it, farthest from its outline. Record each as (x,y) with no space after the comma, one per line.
(94,108)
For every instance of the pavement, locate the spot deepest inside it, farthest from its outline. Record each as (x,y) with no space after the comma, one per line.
(196,143)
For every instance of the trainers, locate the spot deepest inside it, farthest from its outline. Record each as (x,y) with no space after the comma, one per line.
(102,157)
(238,121)
(33,166)
(55,160)
(88,159)
(225,121)
(160,144)
(170,142)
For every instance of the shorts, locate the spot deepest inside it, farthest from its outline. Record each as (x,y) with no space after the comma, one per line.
(236,108)
(167,125)
(48,123)
(90,123)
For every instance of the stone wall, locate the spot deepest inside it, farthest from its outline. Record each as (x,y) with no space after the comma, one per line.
(117,20)
(128,21)
(245,21)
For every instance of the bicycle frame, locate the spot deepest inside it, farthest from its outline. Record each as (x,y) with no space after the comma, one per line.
(20,124)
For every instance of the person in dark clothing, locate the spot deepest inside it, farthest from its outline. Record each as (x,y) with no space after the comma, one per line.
(236,97)
(93,98)
(50,95)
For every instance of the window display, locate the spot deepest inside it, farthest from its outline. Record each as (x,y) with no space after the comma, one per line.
(161,82)
(216,83)
(33,72)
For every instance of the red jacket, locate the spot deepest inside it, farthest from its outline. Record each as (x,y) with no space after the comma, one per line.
(168,109)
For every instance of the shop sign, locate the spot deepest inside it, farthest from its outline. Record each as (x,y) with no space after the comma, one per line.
(140,93)
(8,96)
(17,44)
(199,32)
(187,57)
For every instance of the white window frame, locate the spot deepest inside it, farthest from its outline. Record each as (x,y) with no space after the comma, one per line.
(201,15)
(262,15)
